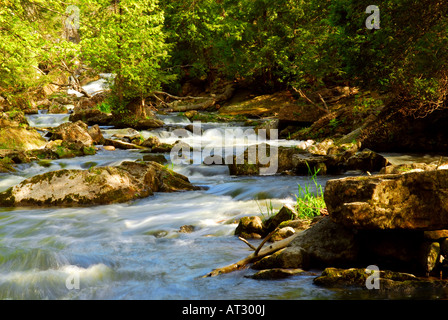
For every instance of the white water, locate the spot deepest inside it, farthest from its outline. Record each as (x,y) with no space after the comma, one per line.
(134,250)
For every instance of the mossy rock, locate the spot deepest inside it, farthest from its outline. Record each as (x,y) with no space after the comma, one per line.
(19,138)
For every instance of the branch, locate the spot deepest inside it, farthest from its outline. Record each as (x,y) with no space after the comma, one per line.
(252,257)
(180,98)
(303,95)
(269,236)
(247,242)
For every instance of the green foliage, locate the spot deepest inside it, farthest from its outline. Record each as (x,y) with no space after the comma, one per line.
(125,38)
(271,44)
(408,54)
(105,107)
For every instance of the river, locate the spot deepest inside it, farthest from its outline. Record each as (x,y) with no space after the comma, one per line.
(135,250)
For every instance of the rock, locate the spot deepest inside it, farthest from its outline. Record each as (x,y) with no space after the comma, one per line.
(336,277)
(151,142)
(282,233)
(366,160)
(268,126)
(20,139)
(392,285)
(298,224)
(73,133)
(138,124)
(274,274)
(191,113)
(127,134)
(436,234)
(121,144)
(412,201)
(95,186)
(63,149)
(296,161)
(6,165)
(109,148)
(286,213)
(162,148)
(399,250)
(250,227)
(159,158)
(96,135)
(186,229)
(57,109)
(295,257)
(431,254)
(397,129)
(327,244)
(407,167)
(91,117)
(321,148)
(192,128)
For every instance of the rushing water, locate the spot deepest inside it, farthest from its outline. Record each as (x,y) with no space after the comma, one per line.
(135,250)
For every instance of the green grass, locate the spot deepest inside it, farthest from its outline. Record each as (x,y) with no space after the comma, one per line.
(308,203)
(270,212)
(105,107)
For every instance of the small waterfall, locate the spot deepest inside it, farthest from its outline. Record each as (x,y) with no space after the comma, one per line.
(45,120)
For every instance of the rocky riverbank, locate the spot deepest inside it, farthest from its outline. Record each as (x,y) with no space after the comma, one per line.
(394,222)
(393,219)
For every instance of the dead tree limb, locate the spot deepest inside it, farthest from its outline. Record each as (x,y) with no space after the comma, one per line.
(247,242)
(252,257)
(206,103)
(303,95)
(269,236)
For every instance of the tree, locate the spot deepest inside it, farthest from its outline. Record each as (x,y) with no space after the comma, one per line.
(125,38)
(408,55)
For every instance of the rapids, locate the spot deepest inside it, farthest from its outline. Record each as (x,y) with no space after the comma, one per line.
(135,250)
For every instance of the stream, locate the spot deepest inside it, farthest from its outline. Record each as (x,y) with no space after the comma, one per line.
(135,250)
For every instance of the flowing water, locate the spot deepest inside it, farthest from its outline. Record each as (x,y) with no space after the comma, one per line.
(135,250)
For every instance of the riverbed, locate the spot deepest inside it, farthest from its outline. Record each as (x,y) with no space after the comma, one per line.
(135,250)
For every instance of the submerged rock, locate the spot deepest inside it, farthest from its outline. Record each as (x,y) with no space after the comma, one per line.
(336,277)
(386,284)
(96,186)
(276,273)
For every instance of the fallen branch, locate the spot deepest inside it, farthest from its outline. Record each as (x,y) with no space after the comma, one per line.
(269,236)
(207,101)
(247,242)
(179,98)
(303,95)
(323,101)
(252,257)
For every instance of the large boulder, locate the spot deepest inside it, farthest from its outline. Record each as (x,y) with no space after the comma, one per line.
(410,201)
(96,186)
(323,244)
(73,132)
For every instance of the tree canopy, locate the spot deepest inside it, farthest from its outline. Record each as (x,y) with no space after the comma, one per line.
(272,44)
